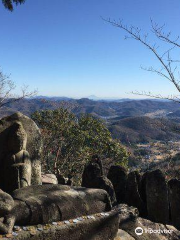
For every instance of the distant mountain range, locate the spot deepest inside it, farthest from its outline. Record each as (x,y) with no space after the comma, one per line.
(127,119)
(91,97)
(52,98)
(103,109)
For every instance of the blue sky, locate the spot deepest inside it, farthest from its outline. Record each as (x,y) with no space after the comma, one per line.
(65,49)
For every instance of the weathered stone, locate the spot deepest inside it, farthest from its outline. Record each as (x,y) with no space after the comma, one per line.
(126,213)
(96,159)
(133,196)
(118,176)
(6,203)
(61,179)
(148,227)
(122,235)
(174,200)
(91,171)
(157,197)
(34,144)
(129,221)
(92,178)
(16,165)
(142,189)
(50,203)
(102,227)
(49,179)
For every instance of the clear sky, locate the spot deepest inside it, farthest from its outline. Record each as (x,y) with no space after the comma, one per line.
(63,48)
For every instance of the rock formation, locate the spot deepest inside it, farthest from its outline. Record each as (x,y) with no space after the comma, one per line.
(99,226)
(157,197)
(92,178)
(96,159)
(129,221)
(64,210)
(133,196)
(17,164)
(174,200)
(34,144)
(49,203)
(118,176)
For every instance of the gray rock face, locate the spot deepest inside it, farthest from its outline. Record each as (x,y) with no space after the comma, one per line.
(118,176)
(122,235)
(48,203)
(129,221)
(143,187)
(145,224)
(34,144)
(49,179)
(157,197)
(97,227)
(133,196)
(92,178)
(174,200)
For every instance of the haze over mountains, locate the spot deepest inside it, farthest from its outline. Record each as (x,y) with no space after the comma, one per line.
(128,119)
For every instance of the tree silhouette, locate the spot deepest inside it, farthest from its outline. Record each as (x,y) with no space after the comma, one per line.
(9,3)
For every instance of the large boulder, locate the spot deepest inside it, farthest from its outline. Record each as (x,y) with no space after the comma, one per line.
(157,197)
(174,200)
(34,144)
(49,203)
(118,176)
(92,178)
(44,204)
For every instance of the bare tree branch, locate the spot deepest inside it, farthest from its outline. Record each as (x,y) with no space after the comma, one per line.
(168,70)
(160,34)
(7,87)
(157,96)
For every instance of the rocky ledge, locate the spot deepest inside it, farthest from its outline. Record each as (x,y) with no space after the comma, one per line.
(99,226)
(129,221)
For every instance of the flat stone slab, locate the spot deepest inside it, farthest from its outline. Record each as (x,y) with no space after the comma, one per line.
(101,226)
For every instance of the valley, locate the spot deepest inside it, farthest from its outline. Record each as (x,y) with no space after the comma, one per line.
(149,129)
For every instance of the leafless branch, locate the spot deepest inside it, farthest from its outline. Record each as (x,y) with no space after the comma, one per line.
(160,34)
(167,69)
(157,96)
(7,88)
